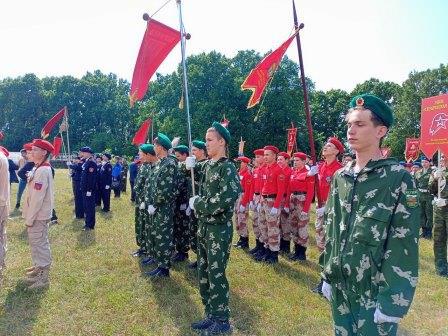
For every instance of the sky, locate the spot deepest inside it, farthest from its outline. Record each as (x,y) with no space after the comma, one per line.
(344,42)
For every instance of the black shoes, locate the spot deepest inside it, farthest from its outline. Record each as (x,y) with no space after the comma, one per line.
(148,261)
(285,246)
(159,272)
(299,253)
(243,243)
(258,246)
(138,253)
(212,326)
(179,257)
(318,288)
(193,265)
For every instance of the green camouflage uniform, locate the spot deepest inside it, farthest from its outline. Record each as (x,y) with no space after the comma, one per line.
(162,195)
(141,215)
(198,178)
(214,208)
(181,219)
(147,240)
(371,252)
(425,197)
(124,176)
(440,227)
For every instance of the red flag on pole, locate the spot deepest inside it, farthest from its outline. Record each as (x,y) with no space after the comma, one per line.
(259,76)
(434,125)
(157,43)
(142,133)
(412,149)
(57,144)
(224,122)
(51,123)
(291,142)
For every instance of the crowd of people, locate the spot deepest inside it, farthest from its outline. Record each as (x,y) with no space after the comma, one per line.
(369,213)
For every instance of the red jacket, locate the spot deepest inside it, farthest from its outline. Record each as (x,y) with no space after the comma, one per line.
(274,183)
(325,176)
(257,181)
(301,182)
(246,186)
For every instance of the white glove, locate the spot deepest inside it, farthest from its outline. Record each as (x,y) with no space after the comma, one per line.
(440,202)
(242,208)
(107,187)
(251,206)
(68,163)
(151,209)
(142,206)
(274,212)
(258,207)
(313,171)
(320,211)
(439,173)
(183,207)
(89,193)
(191,202)
(188,211)
(303,216)
(326,290)
(286,210)
(379,317)
(190,162)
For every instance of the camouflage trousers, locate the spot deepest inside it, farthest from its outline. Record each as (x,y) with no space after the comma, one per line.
(256,216)
(320,233)
(193,233)
(426,215)
(440,238)
(285,225)
(213,255)
(139,226)
(269,225)
(161,235)
(299,225)
(241,218)
(181,231)
(353,315)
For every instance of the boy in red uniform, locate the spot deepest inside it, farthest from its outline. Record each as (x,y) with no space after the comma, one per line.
(241,206)
(285,227)
(255,204)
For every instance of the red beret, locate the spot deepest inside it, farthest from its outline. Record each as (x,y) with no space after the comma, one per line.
(271,148)
(243,159)
(43,144)
(300,155)
(285,155)
(28,146)
(4,150)
(335,141)
(259,152)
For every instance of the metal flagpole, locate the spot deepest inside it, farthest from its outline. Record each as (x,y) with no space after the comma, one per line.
(66,130)
(183,37)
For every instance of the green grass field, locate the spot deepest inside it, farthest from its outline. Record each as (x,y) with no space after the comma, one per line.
(97,287)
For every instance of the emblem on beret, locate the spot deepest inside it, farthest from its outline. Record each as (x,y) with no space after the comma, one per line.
(360,102)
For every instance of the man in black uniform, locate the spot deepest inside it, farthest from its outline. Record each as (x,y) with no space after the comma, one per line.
(76,168)
(88,186)
(105,181)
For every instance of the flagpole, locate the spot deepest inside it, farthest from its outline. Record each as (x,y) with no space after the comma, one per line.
(66,131)
(183,37)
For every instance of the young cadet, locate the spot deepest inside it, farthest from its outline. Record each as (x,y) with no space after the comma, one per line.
(105,181)
(4,205)
(370,262)
(241,207)
(285,227)
(37,212)
(89,178)
(422,180)
(214,208)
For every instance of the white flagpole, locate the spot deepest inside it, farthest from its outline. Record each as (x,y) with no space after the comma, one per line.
(68,138)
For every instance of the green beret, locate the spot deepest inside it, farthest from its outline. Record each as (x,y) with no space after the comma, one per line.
(378,107)
(163,141)
(147,149)
(199,144)
(224,132)
(182,149)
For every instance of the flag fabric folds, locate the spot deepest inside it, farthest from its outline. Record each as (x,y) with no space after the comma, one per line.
(142,133)
(157,43)
(51,123)
(57,144)
(260,76)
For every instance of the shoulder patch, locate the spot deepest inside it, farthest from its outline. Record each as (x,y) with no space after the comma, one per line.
(91,169)
(411,198)
(37,186)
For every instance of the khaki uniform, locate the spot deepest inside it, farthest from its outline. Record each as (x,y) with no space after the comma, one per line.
(4,206)
(37,211)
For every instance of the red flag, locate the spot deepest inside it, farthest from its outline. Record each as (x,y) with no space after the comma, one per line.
(292,140)
(157,43)
(51,123)
(434,125)
(225,122)
(259,77)
(386,151)
(57,144)
(142,133)
(412,149)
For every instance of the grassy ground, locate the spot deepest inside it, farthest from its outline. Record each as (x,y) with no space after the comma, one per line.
(97,287)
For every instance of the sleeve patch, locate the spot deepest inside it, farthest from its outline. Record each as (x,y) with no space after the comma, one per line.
(37,186)
(411,198)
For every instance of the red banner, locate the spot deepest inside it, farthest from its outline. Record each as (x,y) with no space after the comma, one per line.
(57,144)
(386,151)
(225,122)
(434,125)
(259,77)
(412,149)
(142,133)
(291,141)
(157,43)
(51,123)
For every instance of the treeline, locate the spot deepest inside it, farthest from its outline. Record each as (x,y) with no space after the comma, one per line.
(99,113)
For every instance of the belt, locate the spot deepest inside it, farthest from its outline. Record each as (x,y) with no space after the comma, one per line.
(299,192)
(256,193)
(423,190)
(270,196)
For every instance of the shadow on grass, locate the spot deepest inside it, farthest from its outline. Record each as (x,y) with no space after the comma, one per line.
(86,239)
(20,311)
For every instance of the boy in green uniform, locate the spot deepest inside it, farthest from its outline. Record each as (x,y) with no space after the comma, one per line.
(422,180)
(370,261)
(214,209)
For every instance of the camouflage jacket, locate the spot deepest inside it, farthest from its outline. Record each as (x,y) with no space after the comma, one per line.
(218,192)
(183,185)
(162,186)
(422,179)
(140,182)
(372,225)
(443,185)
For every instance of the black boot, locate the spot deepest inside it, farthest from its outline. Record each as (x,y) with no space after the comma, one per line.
(180,256)
(242,243)
(301,253)
(271,257)
(318,288)
(285,246)
(202,324)
(261,254)
(159,272)
(257,247)
(295,255)
(429,233)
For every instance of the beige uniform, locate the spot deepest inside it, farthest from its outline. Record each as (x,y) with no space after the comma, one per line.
(37,210)
(4,206)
